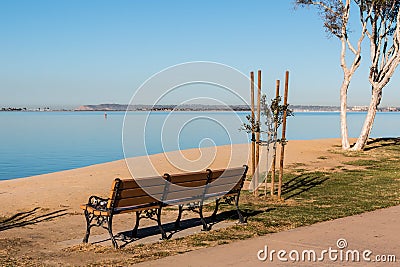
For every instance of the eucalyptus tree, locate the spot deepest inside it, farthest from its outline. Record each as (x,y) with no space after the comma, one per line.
(383,32)
(336,15)
(379,22)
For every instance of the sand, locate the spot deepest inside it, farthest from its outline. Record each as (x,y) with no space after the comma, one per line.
(45,208)
(68,189)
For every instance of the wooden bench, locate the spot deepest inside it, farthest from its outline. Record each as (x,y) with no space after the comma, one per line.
(147,196)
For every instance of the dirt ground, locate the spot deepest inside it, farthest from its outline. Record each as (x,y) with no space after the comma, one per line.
(43,225)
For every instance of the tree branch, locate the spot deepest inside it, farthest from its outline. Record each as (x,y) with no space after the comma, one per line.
(394,60)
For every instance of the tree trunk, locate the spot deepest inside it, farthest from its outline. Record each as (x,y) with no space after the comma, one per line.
(369,120)
(343,113)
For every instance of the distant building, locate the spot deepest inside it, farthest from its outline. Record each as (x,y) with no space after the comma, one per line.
(359,108)
(392,109)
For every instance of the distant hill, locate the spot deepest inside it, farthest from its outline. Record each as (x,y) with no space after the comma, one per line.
(200,107)
(102,107)
(193,107)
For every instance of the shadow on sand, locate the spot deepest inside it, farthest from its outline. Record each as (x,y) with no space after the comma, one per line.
(29,218)
(125,238)
(290,189)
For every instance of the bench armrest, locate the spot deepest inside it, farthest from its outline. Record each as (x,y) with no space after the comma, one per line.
(98,202)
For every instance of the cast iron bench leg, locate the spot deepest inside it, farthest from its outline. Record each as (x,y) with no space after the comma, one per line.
(203,221)
(88,226)
(214,214)
(163,234)
(135,229)
(241,218)
(109,228)
(178,220)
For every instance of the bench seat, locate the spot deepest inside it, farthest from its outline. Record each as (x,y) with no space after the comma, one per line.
(147,196)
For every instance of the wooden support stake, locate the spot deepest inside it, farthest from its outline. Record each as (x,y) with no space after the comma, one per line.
(258,129)
(283,139)
(253,164)
(278,84)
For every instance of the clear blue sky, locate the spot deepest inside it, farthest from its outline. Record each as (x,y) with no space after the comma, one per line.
(74,52)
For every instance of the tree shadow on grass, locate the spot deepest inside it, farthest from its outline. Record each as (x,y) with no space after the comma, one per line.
(301,183)
(29,218)
(374,143)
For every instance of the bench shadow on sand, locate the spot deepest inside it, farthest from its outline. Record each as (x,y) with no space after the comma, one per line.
(31,217)
(290,189)
(125,238)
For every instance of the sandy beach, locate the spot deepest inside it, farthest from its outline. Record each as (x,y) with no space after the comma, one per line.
(47,206)
(68,189)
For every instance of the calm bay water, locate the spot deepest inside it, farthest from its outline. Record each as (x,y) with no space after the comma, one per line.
(41,142)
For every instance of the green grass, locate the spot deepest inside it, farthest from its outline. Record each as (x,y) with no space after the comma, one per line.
(310,197)
(364,162)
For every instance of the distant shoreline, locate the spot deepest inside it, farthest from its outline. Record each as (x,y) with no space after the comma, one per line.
(89,111)
(192,107)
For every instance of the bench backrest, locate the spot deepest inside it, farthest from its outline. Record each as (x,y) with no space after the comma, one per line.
(226,182)
(186,187)
(139,193)
(194,187)
(146,193)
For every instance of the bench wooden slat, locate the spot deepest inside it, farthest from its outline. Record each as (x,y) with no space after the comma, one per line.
(234,172)
(229,185)
(142,182)
(136,208)
(137,192)
(182,190)
(220,188)
(192,183)
(126,202)
(189,177)
(182,201)
(94,210)
(195,192)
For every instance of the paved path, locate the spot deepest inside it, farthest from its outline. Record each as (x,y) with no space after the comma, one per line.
(377,231)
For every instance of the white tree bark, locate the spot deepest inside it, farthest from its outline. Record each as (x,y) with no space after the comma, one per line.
(385,56)
(343,114)
(369,120)
(347,72)
(383,66)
